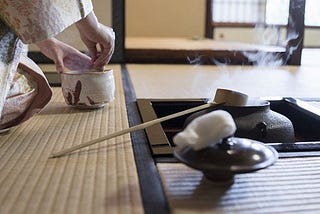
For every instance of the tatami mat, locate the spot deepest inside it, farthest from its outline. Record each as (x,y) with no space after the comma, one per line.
(292,185)
(98,179)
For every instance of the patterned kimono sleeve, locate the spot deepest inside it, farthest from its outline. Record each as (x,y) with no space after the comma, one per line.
(36,20)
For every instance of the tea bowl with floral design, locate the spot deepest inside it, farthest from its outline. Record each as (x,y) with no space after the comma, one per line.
(88,89)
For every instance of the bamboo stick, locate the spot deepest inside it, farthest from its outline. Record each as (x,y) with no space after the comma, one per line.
(133,128)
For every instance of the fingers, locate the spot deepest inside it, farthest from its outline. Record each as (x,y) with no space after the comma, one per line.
(102,60)
(104,37)
(68,57)
(51,49)
(91,45)
(93,52)
(105,56)
(78,61)
(59,64)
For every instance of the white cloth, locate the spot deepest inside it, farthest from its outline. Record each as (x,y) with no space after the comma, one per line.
(206,130)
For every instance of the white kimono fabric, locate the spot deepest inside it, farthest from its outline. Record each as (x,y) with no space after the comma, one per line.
(24,90)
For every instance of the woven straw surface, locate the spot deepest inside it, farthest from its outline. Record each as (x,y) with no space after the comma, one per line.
(99,179)
(292,185)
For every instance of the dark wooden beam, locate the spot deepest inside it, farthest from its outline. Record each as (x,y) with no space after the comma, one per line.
(295,32)
(208,25)
(118,15)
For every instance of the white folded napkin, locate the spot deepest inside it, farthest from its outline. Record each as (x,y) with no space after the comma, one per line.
(206,130)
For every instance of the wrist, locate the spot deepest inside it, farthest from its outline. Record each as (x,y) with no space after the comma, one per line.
(45,43)
(90,22)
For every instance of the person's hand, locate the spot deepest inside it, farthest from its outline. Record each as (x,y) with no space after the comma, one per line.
(64,55)
(94,35)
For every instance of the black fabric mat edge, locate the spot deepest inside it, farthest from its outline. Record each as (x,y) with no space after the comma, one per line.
(152,192)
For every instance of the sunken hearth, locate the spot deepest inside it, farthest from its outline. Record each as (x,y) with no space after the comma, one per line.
(303,113)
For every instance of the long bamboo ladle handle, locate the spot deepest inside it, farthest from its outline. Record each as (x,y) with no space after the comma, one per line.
(131,129)
(222,95)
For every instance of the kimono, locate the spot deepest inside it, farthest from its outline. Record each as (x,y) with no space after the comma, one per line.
(24,90)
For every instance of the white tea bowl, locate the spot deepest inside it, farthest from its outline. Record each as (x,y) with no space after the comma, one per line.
(88,89)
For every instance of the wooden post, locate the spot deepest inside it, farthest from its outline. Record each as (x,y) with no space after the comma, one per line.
(295,27)
(209,27)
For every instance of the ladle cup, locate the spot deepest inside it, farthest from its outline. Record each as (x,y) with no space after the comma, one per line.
(222,97)
(230,98)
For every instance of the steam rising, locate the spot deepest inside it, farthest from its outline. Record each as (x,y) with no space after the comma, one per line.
(196,60)
(256,76)
(267,37)
(270,36)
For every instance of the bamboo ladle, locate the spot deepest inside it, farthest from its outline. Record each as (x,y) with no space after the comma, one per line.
(222,97)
